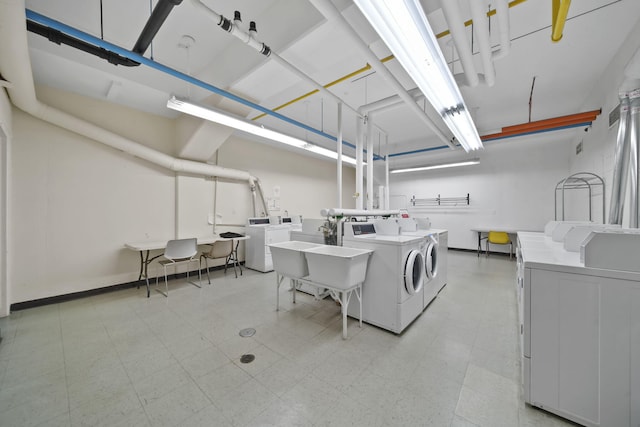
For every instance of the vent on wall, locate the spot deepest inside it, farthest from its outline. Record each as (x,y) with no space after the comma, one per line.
(614,116)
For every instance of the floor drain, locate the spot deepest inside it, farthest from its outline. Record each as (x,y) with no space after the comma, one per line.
(247,358)
(248,332)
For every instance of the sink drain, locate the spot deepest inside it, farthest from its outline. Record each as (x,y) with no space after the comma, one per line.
(247,358)
(248,332)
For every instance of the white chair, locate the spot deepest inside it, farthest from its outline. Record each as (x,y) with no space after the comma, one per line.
(219,250)
(180,251)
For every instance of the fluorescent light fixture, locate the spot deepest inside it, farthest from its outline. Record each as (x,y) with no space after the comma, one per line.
(440,166)
(225,119)
(404,28)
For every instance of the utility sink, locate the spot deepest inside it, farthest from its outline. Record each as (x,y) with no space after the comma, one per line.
(289,260)
(337,267)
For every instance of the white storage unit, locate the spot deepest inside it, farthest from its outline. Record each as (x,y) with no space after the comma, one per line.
(580,334)
(262,234)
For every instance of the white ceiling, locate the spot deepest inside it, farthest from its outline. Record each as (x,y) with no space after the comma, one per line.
(565,72)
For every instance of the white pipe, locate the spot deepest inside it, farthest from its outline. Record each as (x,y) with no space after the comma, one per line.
(251,40)
(504,31)
(339,151)
(253,201)
(370,163)
(258,185)
(362,212)
(389,102)
(386,172)
(215,196)
(176,207)
(331,13)
(359,162)
(16,68)
(452,14)
(481,29)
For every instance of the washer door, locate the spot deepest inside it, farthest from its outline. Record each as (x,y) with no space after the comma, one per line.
(431,260)
(414,272)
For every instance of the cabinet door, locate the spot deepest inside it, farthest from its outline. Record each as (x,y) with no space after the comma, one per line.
(635,355)
(565,344)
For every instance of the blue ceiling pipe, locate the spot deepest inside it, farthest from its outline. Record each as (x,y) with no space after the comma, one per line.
(81,35)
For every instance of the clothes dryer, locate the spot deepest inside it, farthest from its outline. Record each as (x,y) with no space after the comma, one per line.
(393,292)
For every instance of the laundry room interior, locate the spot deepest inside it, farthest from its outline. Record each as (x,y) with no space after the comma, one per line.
(320,212)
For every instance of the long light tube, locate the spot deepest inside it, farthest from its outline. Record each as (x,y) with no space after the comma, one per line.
(225,119)
(440,166)
(404,28)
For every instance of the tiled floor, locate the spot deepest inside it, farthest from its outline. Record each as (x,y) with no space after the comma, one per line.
(121,359)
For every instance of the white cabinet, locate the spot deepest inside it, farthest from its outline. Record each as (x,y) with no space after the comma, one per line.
(580,337)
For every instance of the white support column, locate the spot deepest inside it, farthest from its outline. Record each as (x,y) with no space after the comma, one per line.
(386,172)
(369,162)
(359,164)
(339,151)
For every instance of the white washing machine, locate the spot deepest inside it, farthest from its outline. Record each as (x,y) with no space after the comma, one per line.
(262,232)
(434,259)
(393,293)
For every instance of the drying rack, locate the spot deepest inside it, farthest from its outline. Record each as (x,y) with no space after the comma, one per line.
(579,181)
(441,201)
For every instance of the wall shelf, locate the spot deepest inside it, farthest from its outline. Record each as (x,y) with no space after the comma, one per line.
(441,201)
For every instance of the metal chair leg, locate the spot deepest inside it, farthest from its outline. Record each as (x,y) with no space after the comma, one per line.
(166,283)
(231,258)
(206,265)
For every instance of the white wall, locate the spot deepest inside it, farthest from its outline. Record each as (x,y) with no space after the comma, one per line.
(6,133)
(75,202)
(512,187)
(599,143)
(298,185)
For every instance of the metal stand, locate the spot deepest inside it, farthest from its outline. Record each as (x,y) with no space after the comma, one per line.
(338,294)
(578,181)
